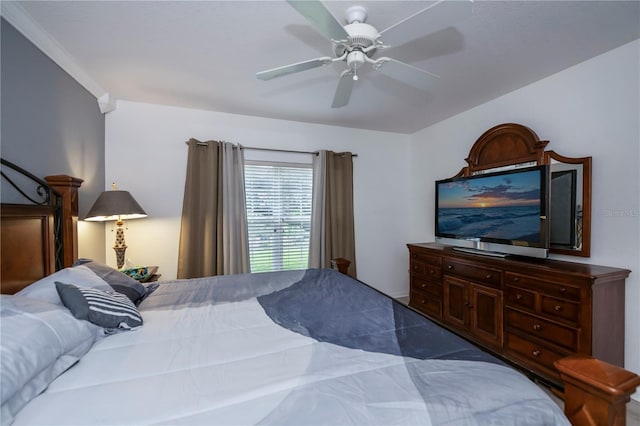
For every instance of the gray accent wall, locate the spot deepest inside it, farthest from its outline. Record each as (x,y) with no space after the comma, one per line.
(51,125)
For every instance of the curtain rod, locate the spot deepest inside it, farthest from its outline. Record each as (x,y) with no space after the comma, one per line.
(286,150)
(273,149)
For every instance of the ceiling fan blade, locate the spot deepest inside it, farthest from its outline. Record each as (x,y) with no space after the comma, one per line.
(343,91)
(321,18)
(290,69)
(416,77)
(431,19)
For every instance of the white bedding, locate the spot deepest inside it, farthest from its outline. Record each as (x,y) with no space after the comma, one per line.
(288,348)
(233,372)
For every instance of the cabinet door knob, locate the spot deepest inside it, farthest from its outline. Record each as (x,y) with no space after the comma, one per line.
(537,327)
(449,266)
(536,352)
(423,285)
(423,301)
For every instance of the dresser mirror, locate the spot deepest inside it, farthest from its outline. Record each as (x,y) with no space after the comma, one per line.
(570,204)
(512,144)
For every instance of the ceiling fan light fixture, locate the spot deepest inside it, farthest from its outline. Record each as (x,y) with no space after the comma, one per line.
(355,59)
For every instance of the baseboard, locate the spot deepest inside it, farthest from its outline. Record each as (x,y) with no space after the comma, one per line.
(397,295)
(403,300)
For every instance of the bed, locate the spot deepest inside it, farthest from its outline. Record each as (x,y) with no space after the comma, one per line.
(294,347)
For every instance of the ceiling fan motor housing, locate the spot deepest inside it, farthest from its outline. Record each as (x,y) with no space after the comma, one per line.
(361,36)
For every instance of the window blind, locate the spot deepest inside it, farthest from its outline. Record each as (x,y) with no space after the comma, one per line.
(278,199)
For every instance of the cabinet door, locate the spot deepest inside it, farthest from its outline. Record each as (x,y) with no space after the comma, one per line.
(485,312)
(456,301)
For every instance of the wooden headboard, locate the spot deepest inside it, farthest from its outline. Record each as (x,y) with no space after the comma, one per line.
(40,236)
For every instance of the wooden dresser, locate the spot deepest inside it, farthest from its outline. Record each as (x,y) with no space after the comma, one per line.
(530,311)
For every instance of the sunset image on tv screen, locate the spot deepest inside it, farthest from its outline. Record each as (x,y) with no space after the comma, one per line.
(503,206)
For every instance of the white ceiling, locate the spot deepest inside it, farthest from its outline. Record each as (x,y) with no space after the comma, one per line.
(204,54)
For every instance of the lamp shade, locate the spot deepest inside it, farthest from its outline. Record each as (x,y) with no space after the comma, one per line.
(115,205)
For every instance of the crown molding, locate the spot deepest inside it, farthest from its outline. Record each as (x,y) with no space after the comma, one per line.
(17,16)
(107,103)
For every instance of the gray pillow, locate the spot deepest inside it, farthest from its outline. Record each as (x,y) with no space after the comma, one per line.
(39,341)
(45,288)
(116,279)
(110,310)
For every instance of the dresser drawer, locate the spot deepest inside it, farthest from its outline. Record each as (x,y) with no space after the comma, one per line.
(550,288)
(426,302)
(426,258)
(424,286)
(520,298)
(473,271)
(534,326)
(426,270)
(558,308)
(535,352)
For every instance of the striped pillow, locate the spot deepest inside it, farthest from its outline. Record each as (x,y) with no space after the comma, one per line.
(107,309)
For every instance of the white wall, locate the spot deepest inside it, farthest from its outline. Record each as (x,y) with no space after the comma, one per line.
(591,109)
(146,155)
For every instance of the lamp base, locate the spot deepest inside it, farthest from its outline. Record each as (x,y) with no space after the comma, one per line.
(120,256)
(120,247)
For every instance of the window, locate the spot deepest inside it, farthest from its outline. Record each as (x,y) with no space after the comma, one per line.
(278,198)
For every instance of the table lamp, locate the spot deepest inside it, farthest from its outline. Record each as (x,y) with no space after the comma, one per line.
(116,205)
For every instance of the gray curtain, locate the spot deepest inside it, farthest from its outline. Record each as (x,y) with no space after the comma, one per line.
(332,225)
(317,232)
(213,231)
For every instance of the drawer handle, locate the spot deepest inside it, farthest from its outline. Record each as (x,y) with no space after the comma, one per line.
(488,277)
(432,272)
(423,285)
(536,352)
(414,256)
(449,266)
(537,327)
(563,290)
(416,267)
(423,301)
(518,297)
(516,279)
(557,308)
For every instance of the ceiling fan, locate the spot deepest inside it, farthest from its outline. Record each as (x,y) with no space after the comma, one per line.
(357,42)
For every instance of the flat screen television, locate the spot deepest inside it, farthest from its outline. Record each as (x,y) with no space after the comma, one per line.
(496,213)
